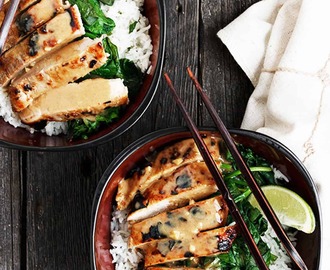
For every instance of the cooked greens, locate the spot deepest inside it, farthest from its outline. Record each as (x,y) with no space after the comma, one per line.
(108,2)
(119,68)
(97,24)
(239,256)
(94,20)
(82,128)
(132,26)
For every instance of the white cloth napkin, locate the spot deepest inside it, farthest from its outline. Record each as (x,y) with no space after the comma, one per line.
(284,47)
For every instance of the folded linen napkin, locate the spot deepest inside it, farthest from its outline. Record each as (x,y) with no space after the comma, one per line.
(284,47)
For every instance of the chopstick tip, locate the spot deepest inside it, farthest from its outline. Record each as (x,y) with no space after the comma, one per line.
(166,76)
(168,80)
(189,71)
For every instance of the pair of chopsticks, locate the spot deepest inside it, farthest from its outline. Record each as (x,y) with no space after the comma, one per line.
(264,204)
(8,20)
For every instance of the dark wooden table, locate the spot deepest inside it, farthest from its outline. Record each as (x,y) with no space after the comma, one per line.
(46,198)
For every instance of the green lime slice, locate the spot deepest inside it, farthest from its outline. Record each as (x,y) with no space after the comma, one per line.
(290,208)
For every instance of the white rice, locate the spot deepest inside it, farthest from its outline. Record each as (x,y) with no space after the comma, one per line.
(123,256)
(6,111)
(279,175)
(283,260)
(135,46)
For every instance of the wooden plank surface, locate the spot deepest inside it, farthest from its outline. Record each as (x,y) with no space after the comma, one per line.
(10,209)
(46,198)
(221,77)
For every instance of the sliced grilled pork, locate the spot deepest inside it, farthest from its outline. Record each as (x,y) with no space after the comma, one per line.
(167,161)
(203,244)
(63,66)
(179,223)
(190,182)
(74,100)
(56,33)
(31,19)
(23,4)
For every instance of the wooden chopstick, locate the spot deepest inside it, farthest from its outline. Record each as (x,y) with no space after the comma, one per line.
(257,192)
(267,209)
(8,20)
(218,179)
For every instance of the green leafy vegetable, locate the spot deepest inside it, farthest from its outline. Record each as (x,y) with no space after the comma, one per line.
(132,26)
(119,68)
(108,2)
(95,22)
(82,128)
(113,68)
(131,75)
(239,256)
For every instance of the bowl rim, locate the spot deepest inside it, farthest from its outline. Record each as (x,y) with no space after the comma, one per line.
(132,119)
(125,153)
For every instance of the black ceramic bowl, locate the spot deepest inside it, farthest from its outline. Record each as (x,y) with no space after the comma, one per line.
(308,245)
(19,138)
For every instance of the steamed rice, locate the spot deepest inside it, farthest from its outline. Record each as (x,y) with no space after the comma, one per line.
(135,46)
(123,256)
(283,260)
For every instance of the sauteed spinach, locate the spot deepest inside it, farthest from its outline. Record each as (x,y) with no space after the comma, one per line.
(94,20)
(239,256)
(82,128)
(97,24)
(119,68)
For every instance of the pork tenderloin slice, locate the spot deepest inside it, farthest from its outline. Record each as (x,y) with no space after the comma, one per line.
(31,19)
(75,100)
(207,243)
(190,182)
(66,65)
(53,35)
(166,162)
(23,4)
(201,216)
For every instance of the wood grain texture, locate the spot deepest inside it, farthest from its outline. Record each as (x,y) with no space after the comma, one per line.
(58,188)
(222,78)
(10,210)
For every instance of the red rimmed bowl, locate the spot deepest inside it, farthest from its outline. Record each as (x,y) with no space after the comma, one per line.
(308,245)
(22,139)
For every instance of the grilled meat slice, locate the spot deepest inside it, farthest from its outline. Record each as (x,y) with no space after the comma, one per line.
(167,161)
(190,182)
(56,33)
(31,19)
(63,66)
(181,222)
(203,244)
(23,4)
(75,100)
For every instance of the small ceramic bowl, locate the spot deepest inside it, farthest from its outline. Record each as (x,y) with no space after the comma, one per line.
(308,245)
(20,138)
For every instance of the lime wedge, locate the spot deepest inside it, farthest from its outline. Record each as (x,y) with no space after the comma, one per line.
(290,208)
